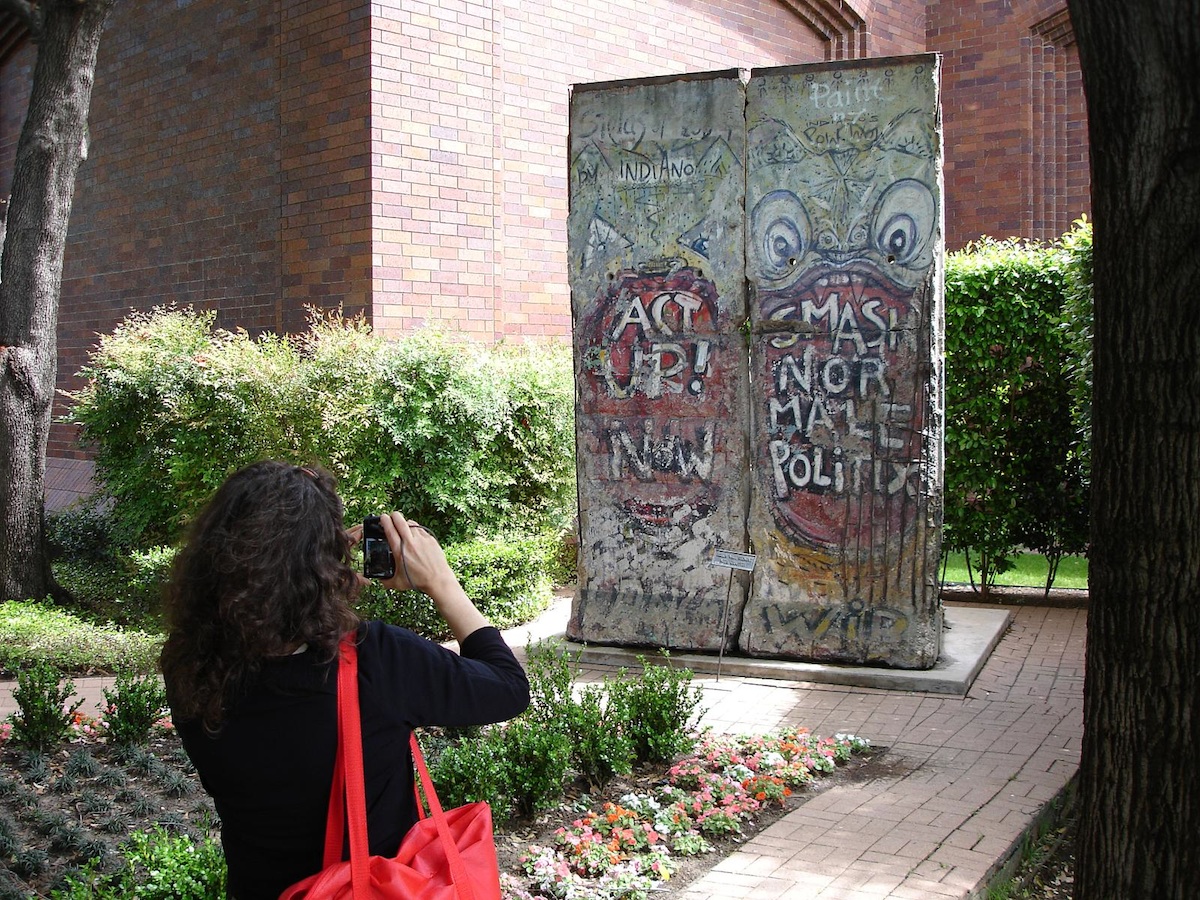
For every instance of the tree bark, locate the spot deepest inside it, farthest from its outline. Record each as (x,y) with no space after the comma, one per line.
(48,155)
(1139,781)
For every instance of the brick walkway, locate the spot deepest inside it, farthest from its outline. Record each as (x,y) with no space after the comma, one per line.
(962,780)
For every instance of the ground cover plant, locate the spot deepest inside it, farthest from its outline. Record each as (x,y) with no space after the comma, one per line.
(708,799)
(105,806)
(32,632)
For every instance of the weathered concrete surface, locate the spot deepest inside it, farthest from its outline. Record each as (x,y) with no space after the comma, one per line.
(656,241)
(844,252)
(821,186)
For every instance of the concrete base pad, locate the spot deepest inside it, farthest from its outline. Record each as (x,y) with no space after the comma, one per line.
(968,638)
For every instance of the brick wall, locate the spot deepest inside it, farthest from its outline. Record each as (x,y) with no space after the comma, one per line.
(324,153)
(471,135)
(434,204)
(229,169)
(1014,119)
(896,28)
(178,201)
(406,159)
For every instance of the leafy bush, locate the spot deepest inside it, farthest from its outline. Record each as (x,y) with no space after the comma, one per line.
(507,579)
(1078,327)
(562,556)
(535,446)
(519,767)
(340,369)
(471,442)
(83,531)
(42,719)
(536,760)
(472,770)
(158,865)
(442,411)
(508,575)
(134,705)
(549,674)
(125,586)
(656,710)
(32,632)
(600,748)
(149,569)
(599,745)
(101,590)
(409,609)
(522,766)
(173,406)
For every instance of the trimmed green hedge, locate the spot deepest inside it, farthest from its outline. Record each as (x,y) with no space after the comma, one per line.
(1016,435)
(38,632)
(508,579)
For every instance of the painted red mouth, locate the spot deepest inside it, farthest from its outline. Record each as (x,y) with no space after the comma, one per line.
(841,408)
(656,516)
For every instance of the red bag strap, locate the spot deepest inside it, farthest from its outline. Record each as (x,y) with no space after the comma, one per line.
(335,818)
(347,794)
(458,868)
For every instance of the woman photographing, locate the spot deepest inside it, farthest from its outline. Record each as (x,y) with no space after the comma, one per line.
(258,602)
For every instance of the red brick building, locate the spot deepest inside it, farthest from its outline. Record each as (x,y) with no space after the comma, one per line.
(407,159)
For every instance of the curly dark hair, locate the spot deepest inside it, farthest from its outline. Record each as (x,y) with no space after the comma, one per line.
(266,567)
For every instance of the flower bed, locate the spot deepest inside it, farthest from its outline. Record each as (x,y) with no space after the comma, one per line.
(627,848)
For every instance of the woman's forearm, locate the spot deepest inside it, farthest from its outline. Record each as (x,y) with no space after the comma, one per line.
(456,607)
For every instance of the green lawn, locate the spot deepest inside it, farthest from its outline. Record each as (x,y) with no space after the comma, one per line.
(1030,571)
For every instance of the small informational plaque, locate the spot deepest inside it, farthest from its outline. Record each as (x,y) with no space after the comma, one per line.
(731,559)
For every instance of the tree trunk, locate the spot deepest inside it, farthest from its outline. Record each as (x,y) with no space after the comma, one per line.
(49,151)
(1139,781)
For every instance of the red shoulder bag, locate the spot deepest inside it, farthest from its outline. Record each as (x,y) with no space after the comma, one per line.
(447,855)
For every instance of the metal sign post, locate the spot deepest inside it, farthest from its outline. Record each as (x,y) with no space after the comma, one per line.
(729,559)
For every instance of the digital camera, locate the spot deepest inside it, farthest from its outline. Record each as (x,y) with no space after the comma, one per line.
(378,561)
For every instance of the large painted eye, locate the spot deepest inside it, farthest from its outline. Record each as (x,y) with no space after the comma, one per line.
(780,234)
(905,220)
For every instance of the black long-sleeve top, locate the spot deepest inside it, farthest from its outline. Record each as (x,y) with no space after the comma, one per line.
(270,768)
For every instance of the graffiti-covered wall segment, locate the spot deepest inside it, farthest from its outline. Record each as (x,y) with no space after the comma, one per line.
(844,250)
(658,295)
(826,426)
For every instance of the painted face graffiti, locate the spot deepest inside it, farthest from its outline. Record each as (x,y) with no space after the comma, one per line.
(842,388)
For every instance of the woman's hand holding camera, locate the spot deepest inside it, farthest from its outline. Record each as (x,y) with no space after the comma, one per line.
(421,565)
(420,561)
